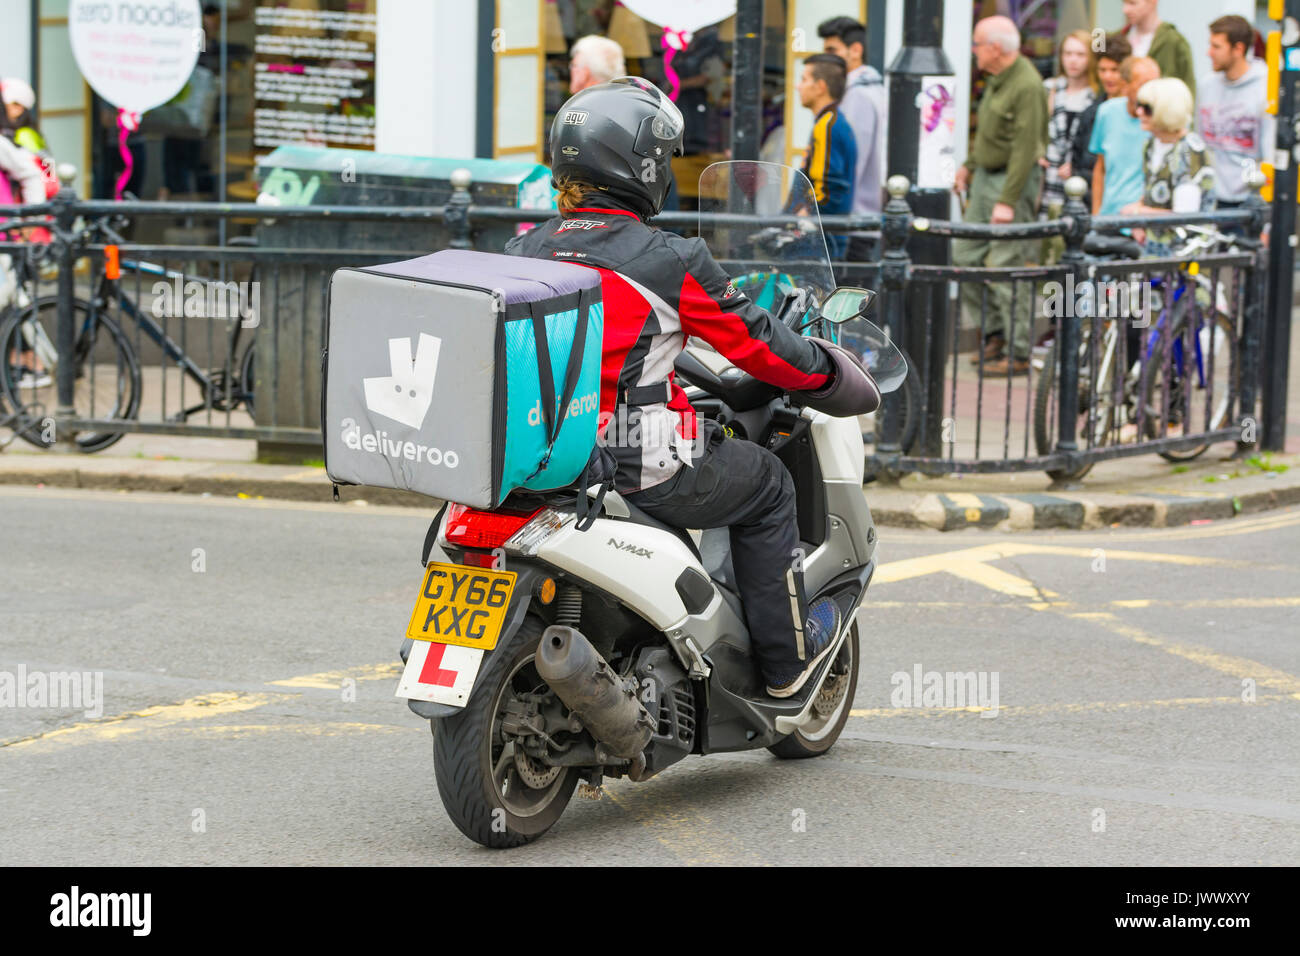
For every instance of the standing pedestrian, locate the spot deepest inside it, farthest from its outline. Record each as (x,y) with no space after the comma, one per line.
(1069,93)
(1118,140)
(594,60)
(1232,115)
(1178,173)
(1148,35)
(864,106)
(1115,50)
(832,155)
(1002,178)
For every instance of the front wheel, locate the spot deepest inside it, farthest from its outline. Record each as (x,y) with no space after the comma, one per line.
(246,378)
(830,709)
(493,791)
(908,400)
(1046,417)
(1190,381)
(107,373)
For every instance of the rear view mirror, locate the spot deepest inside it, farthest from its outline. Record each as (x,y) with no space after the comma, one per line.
(847,302)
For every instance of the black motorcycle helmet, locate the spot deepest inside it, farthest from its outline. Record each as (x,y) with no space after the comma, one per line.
(619,137)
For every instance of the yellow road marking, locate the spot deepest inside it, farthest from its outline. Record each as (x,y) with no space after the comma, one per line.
(997,580)
(901,570)
(1262,602)
(202,707)
(329,728)
(1115,554)
(687,834)
(1239,667)
(120,725)
(971,564)
(1213,602)
(1026,710)
(333,680)
(1282,518)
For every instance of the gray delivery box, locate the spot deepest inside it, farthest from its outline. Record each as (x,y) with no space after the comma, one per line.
(462,375)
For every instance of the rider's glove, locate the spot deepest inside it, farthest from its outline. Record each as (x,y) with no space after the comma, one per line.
(850,389)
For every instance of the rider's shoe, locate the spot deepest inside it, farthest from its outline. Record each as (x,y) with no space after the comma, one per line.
(819,633)
(29,379)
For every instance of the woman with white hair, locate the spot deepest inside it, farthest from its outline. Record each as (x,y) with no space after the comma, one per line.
(1178,170)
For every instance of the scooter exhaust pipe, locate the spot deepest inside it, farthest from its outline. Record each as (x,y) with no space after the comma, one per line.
(588,686)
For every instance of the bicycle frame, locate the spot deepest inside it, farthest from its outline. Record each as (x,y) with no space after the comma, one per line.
(108,290)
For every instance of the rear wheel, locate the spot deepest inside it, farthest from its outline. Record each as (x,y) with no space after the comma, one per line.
(830,710)
(495,793)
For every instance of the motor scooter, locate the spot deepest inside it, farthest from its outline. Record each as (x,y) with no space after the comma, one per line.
(616,645)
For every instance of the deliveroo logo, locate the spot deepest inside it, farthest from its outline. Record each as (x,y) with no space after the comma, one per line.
(406,394)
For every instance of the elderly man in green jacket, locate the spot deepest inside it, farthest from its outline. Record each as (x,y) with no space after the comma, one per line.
(1150,36)
(1003,178)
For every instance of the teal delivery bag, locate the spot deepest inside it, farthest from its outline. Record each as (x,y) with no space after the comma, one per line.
(462,375)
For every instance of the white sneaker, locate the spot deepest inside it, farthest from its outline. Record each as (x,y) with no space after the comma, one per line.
(30,379)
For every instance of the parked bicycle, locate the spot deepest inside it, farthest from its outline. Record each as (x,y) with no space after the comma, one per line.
(1140,384)
(108,376)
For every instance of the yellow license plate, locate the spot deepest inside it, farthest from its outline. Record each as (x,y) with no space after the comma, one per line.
(461,605)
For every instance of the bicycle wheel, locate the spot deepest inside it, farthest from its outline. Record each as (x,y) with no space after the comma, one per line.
(107,372)
(246,378)
(1096,419)
(1194,387)
(908,400)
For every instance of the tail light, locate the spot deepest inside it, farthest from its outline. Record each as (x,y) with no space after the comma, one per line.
(520,531)
(471,528)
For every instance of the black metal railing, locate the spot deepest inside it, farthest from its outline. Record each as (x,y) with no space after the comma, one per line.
(161,349)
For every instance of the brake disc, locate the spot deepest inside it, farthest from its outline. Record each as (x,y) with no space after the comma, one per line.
(830,695)
(535,774)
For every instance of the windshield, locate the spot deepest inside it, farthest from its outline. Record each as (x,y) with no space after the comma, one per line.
(765,258)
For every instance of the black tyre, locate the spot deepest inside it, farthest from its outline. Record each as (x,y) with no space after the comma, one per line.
(246,378)
(831,711)
(1045,413)
(1180,393)
(908,400)
(107,372)
(482,785)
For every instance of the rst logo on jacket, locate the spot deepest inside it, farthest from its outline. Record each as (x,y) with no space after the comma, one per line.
(575,117)
(583,224)
(625,546)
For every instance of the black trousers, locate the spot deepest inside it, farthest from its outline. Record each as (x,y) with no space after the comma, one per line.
(739,486)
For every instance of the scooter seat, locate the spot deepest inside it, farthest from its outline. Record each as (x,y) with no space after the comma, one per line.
(638,516)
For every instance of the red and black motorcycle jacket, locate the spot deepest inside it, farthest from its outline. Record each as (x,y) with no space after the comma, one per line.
(659,288)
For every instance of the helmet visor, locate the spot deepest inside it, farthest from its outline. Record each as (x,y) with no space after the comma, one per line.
(662,132)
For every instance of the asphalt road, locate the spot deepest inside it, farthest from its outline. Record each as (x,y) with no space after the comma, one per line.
(1120,736)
